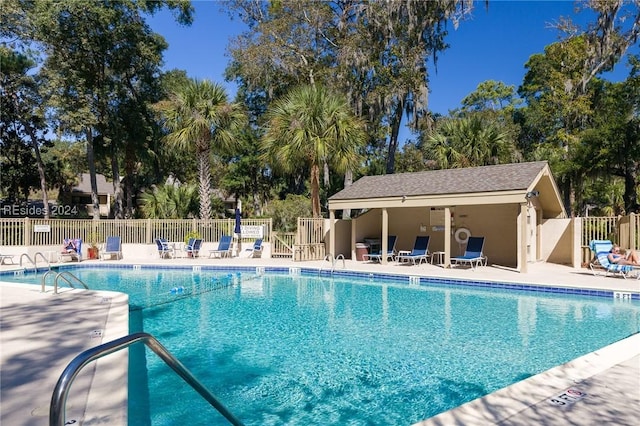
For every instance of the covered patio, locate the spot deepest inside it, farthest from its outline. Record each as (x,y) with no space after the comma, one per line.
(516,207)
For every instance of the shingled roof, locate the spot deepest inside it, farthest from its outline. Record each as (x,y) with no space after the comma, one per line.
(503,177)
(84,184)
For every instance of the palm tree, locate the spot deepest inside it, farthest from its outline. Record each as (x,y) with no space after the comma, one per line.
(311,126)
(169,202)
(197,115)
(468,142)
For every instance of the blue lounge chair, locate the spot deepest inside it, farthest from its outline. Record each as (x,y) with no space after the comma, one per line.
(391,251)
(420,252)
(193,247)
(165,250)
(473,254)
(256,250)
(113,247)
(71,254)
(613,268)
(224,247)
(598,246)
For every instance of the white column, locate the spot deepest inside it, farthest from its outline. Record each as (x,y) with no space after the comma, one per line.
(385,235)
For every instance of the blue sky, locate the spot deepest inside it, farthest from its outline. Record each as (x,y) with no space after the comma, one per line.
(494,44)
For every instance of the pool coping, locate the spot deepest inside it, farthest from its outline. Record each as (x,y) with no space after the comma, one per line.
(83,319)
(553,391)
(411,279)
(401,278)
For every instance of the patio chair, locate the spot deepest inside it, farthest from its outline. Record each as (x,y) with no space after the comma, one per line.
(193,247)
(419,253)
(4,257)
(165,250)
(73,252)
(113,247)
(391,251)
(614,269)
(256,250)
(473,255)
(598,246)
(224,247)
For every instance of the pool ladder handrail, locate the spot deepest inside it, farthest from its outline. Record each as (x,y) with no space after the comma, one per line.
(63,275)
(57,410)
(34,260)
(329,258)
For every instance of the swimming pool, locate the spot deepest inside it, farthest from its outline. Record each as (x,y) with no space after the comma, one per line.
(298,349)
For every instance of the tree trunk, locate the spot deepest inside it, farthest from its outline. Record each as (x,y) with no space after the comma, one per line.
(204,176)
(631,187)
(315,190)
(396,119)
(41,173)
(117,188)
(39,163)
(92,175)
(129,170)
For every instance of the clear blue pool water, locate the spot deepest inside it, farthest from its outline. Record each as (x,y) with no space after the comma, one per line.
(304,350)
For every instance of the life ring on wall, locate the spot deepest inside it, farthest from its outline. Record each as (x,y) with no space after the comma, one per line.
(462,235)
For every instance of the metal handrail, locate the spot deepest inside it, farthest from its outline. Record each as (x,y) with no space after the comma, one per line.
(34,260)
(63,275)
(57,410)
(59,275)
(29,259)
(330,258)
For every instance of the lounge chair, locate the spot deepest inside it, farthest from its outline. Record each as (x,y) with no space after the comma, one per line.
(113,247)
(419,253)
(598,246)
(614,269)
(256,250)
(472,254)
(193,247)
(165,250)
(224,247)
(71,254)
(391,251)
(4,257)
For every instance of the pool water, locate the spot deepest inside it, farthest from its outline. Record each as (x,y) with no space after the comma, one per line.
(305,350)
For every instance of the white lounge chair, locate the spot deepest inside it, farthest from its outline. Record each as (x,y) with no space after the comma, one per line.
(4,257)
(113,247)
(224,247)
(256,250)
(391,251)
(473,255)
(419,253)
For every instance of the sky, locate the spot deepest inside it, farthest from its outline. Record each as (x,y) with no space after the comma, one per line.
(494,44)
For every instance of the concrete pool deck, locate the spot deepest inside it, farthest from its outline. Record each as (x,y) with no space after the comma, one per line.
(40,333)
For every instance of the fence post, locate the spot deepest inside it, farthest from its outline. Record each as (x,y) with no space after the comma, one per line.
(27,232)
(147,235)
(633,232)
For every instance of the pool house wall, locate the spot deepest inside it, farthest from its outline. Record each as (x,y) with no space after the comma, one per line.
(557,240)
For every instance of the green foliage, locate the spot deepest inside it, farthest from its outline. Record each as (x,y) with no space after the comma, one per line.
(170,202)
(191,234)
(198,117)
(468,142)
(285,212)
(309,127)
